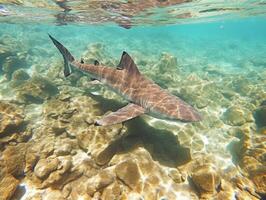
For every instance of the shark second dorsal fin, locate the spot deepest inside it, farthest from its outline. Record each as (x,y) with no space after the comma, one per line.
(127,63)
(96,62)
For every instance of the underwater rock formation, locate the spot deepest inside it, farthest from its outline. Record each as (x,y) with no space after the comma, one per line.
(12,124)
(251,151)
(36,90)
(12,169)
(236,116)
(12,118)
(98,52)
(167,63)
(206,181)
(260,116)
(20,75)
(12,56)
(128,172)
(50,145)
(45,166)
(12,63)
(14,158)
(8,185)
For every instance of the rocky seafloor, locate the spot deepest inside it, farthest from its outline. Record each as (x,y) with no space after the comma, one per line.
(50,148)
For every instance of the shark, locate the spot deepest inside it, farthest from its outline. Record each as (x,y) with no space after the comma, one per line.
(143,95)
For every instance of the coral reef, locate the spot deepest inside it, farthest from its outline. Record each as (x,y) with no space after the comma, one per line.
(35,90)
(12,56)
(50,146)
(12,124)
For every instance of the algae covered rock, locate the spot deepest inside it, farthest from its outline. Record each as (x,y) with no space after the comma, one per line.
(260,116)
(98,52)
(206,180)
(176,176)
(62,175)
(45,166)
(20,75)
(259,180)
(236,116)
(251,158)
(167,62)
(100,181)
(12,57)
(8,186)
(14,159)
(36,90)
(11,119)
(12,63)
(128,172)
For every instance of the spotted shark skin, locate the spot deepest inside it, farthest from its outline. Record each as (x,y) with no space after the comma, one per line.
(145,96)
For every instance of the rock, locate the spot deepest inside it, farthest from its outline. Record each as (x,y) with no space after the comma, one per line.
(14,158)
(20,75)
(244,184)
(31,160)
(229,94)
(167,62)
(242,85)
(98,52)
(226,191)
(11,119)
(260,116)
(43,144)
(36,90)
(113,191)
(58,175)
(251,155)
(66,190)
(12,63)
(201,103)
(64,146)
(259,180)
(45,166)
(128,172)
(206,180)
(235,116)
(176,176)
(99,181)
(53,194)
(8,186)
(36,196)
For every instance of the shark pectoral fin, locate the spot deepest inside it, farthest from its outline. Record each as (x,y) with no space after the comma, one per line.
(126,113)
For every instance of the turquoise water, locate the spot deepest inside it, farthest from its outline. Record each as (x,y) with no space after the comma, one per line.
(232,41)
(47,131)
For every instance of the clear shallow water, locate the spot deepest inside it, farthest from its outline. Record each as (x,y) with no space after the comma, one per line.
(218,67)
(127,13)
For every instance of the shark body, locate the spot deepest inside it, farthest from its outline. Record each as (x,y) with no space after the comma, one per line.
(144,96)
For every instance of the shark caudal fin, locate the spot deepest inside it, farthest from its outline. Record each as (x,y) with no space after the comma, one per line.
(68,58)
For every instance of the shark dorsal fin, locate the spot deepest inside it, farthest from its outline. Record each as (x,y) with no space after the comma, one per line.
(127,63)
(96,62)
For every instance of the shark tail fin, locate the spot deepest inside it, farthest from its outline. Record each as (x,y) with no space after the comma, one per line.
(68,58)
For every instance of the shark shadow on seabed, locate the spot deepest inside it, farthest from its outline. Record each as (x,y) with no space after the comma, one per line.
(162,145)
